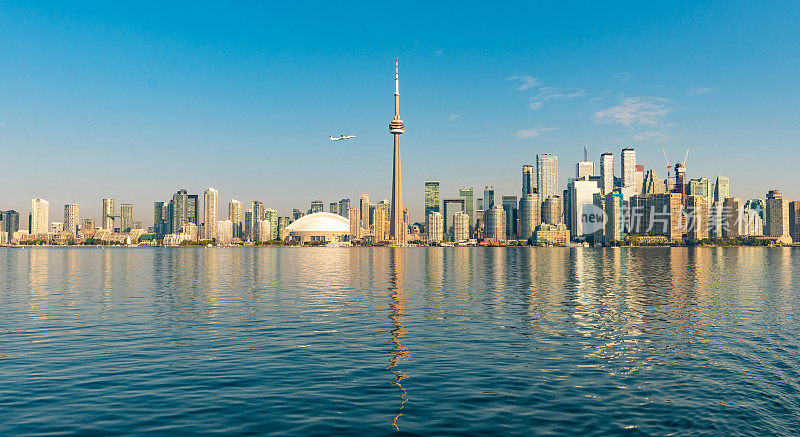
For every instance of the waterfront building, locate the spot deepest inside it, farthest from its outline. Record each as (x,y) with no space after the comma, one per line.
(397,232)
(638,179)
(193,208)
(722,189)
(665,212)
(161,224)
(178,211)
(510,207)
(39,219)
(355,223)
(379,227)
(192,230)
(333,208)
(552,234)
(776,215)
(584,169)
(296,213)
(56,227)
(320,227)
(528,180)
(451,207)
(715,222)
(478,206)
(434,227)
(628,167)
(468,194)
(606,173)
(210,213)
(126,217)
(488,197)
(236,216)
(580,194)
(794,220)
(223,232)
(10,223)
(88,225)
(733,218)
(461,223)
(652,184)
(431,197)
(495,224)
(551,210)
(753,218)
(529,218)
(249,225)
(364,211)
(698,210)
(271,216)
(263,231)
(700,187)
(546,175)
(283,222)
(108,214)
(613,228)
(72,218)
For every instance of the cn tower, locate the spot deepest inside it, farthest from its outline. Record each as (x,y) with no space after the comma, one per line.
(397,233)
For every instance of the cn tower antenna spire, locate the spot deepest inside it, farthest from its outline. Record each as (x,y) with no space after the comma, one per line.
(396,78)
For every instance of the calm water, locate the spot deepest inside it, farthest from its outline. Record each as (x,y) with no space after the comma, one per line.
(640,341)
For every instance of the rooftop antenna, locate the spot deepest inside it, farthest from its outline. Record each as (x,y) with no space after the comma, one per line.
(585,153)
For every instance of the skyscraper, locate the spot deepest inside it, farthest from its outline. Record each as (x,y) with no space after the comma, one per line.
(652,184)
(271,216)
(355,223)
(192,209)
(333,208)
(460,227)
(10,223)
(39,219)
(722,189)
(794,221)
(451,207)
(469,203)
(546,175)
(160,219)
(510,209)
(107,217)
(495,224)
(364,207)
(316,206)
(178,211)
(434,227)
(344,208)
(249,225)
(397,230)
(585,167)
(488,197)
(528,180)
(776,220)
(529,217)
(628,167)
(431,197)
(72,218)
(581,195)
(606,173)
(210,213)
(236,216)
(126,217)
(551,210)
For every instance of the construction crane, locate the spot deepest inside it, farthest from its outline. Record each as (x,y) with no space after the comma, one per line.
(668,163)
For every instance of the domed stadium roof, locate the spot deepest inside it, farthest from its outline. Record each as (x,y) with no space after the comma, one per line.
(322,222)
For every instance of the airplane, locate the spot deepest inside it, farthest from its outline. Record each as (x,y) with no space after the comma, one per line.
(343,137)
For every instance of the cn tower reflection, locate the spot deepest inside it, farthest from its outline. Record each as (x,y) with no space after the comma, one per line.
(400,352)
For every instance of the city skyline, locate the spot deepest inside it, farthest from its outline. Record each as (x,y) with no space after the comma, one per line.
(522,101)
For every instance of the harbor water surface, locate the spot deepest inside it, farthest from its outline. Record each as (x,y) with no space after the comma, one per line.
(320,341)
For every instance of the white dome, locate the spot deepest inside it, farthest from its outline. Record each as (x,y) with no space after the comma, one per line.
(320,222)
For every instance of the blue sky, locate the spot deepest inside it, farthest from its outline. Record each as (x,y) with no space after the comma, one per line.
(135,100)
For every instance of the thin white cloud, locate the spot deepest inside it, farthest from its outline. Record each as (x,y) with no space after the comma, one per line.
(634,110)
(438,52)
(700,91)
(532,132)
(651,135)
(548,93)
(527,82)
(454,117)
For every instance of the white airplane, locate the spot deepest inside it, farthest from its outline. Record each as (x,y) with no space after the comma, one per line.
(343,137)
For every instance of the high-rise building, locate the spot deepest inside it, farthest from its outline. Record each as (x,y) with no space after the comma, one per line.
(698,217)
(451,207)
(638,178)
(700,187)
(794,221)
(107,218)
(210,213)
(434,227)
(495,224)
(510,208)
(528,180)
(344,208)
(236,216)
(355,223)
(581,195)
(461,222)
(732,218)
(193,208)
(296,213)
(479,205)
(10,223)
(126,217)
(529,215)
(652,184)
(606,173)
(249,225)
(488,197)
(776,218)
(333,208)
(258,211)
(262,231)
(468,194)
(72,218)
(628,167)
(271,216)
(39,219)
(316,206)
(585,167)
(283,222)
(431,197)
(546,175)
(406,216)
(179,211)
(88,225)
(364,211)
(223,232)
(379,227)
(551,210)
(160,219)
(397,232)
(722,189)
(753,217)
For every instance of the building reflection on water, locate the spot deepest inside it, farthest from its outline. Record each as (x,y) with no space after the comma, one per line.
(399,352)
